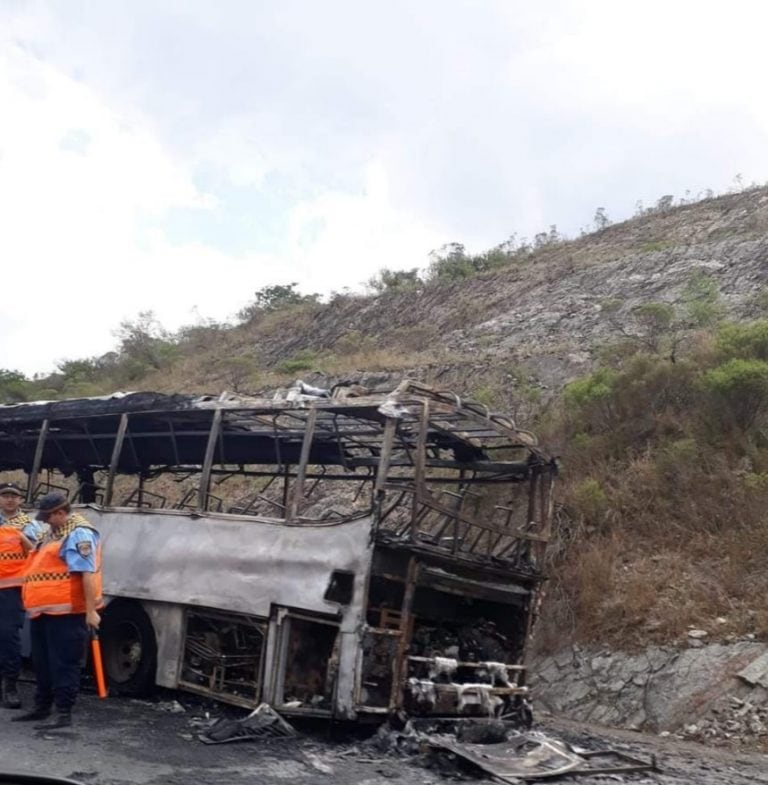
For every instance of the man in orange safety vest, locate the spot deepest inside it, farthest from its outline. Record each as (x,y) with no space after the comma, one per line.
(18,532)
(62,596)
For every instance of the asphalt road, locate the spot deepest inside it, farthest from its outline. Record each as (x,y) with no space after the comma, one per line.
(124,742)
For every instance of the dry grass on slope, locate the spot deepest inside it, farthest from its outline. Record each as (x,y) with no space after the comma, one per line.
(645,575)
(662,518)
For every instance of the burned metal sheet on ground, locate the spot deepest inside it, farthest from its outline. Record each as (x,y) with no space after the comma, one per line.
(262,723)
(521,757)
(535,756)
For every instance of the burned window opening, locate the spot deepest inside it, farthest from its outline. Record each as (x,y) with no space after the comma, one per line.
(477,639)
(379,668)
(465,628)
(341,587)
(385,599)
(223,655)
(143,499)
(310,665)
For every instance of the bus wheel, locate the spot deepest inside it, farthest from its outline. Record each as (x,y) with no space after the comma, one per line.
(129,648)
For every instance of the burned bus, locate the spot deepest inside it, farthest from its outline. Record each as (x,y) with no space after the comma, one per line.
(335,554)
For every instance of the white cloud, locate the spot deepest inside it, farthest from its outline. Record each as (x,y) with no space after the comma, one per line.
(77,180)
(340,239)
(69,216)
(652,59)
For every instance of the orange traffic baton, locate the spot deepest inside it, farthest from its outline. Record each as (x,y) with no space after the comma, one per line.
(98,666)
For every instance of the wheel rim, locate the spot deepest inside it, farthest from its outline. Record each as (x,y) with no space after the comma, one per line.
(124,651)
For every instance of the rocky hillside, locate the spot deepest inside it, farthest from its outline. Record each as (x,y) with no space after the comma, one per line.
(546,314)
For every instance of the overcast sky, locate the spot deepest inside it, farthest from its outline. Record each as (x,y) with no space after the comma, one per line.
(177,156)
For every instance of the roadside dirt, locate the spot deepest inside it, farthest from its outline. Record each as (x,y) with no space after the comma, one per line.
(681,762)
(124,742)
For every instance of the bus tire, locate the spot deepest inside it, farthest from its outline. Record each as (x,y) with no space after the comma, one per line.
(128,648)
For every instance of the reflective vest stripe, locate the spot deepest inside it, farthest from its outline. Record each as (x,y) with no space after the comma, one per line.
(5,583)
(65,607)
(38,577)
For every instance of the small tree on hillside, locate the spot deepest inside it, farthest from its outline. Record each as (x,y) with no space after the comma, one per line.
(740,388)
(275,297)
(662,328)
(601,219)
(744,341)
(545,239)
(701,301)
(450,263)
(653,326)
(14,386)
(393,280)
(145,341)
(238,373)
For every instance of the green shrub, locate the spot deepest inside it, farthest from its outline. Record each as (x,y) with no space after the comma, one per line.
(581,441)
(757,482)
(590,402)
(273,298)
(744,341)
(611,305)
(14,387)
(674,457)
(451,263)
(647,401)
(760,300)
(146,342)
(657,327)
(592,389)
(488,395)
(395,280)
(590,500)
(701,300)
(493,259)
(655,316)
(740,390)
(301,361)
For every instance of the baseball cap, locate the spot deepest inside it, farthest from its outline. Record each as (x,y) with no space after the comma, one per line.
(50,503)
(11,487)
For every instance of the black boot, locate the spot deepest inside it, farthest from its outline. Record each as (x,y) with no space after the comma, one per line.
(63,719)
(38,713)
(11,698)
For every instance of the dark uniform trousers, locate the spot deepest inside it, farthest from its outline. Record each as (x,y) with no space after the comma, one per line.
(58,647)
(11,622)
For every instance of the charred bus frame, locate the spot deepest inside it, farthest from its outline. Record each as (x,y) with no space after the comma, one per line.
(387,551)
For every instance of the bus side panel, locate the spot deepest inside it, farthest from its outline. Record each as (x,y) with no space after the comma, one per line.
(173,563)
(234,565)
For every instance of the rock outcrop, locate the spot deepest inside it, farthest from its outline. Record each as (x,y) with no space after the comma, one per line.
(718,691)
